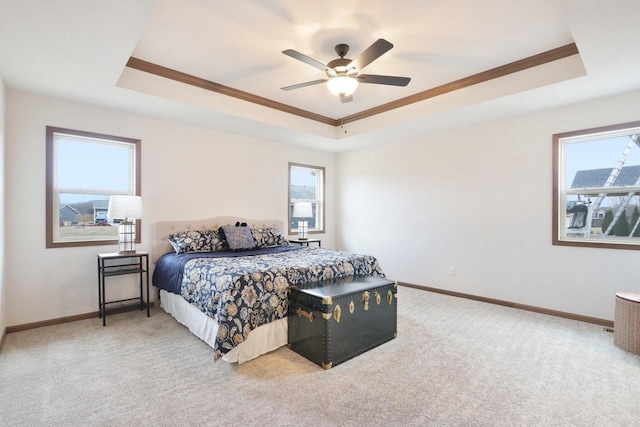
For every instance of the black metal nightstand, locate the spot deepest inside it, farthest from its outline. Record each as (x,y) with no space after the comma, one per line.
(114,264)
(306,242)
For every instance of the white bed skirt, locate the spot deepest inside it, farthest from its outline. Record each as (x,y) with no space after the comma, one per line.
(261,340)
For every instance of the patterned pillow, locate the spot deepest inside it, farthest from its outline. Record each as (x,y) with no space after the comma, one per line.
(268,237)
(217,241)
(190,241)
(237,238)
(196,241)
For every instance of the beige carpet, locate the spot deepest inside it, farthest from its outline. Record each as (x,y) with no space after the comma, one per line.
(455,362)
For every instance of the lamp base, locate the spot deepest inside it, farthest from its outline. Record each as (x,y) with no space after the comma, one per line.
(303,228)
(128,252)
(126,238)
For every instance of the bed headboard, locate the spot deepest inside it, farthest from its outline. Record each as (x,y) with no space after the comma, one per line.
(161,230)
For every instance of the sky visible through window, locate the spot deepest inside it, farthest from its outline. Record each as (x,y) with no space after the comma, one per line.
(303,177)
(597,154)
(85,165)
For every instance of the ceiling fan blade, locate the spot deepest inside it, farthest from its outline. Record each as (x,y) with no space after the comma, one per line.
(305,84)
(304,58)
(345,99)
(373,52)
(383,80)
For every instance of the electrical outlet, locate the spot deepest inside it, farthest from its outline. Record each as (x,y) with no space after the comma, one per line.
(452,271)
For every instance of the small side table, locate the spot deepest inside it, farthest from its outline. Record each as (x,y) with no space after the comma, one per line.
(626,325)
(306,242)
(116,264)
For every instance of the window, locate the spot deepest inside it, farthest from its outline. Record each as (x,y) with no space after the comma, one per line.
(83,170)
(306,184)
(596,187)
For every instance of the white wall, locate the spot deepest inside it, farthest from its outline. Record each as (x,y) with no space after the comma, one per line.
(3,299)
(187,173)
(478,198)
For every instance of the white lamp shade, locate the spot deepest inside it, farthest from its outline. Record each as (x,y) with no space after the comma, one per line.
(302,210)
(123,207)
(342,85)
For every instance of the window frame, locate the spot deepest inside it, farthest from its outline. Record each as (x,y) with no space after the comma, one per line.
(320,204)
(560,192)
(52,203)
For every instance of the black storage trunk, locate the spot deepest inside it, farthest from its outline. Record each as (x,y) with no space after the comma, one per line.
(333,321)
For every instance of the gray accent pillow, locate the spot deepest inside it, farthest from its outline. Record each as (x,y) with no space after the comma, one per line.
(238,238)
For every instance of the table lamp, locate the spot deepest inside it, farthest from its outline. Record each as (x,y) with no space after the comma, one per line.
(125,208)
(302,210)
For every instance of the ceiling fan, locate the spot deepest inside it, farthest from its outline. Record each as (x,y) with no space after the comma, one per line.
(342,73)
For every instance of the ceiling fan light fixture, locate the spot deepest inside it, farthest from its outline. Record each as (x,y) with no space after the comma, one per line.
(342,85)
(343,73)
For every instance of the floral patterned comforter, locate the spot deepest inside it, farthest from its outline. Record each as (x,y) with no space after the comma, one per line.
(243,293)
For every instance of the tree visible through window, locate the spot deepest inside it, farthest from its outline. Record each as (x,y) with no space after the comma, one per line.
(597,187)
(83,170)
(306,184)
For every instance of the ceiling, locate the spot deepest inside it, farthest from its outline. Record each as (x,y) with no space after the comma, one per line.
(229,66)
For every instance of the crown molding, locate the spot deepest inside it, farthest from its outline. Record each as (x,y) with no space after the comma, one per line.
(494,73)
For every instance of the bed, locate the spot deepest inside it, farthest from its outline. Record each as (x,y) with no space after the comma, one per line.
(236,301)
